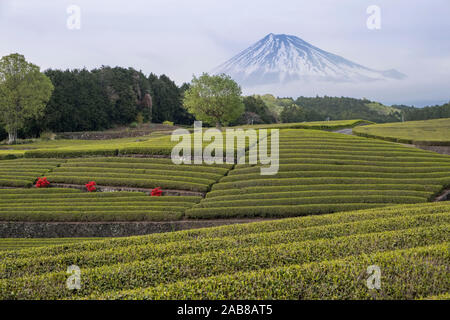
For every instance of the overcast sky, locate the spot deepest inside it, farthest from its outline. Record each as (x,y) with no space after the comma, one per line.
(182,38)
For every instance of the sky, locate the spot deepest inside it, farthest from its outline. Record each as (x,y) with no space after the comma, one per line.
(183,38)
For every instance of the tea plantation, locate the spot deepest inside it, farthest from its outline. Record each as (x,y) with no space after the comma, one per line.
(319,172)
(23,172)
(323,172)
(348,202)
(135,172)
(22,243)
(314,257)
(73,205)
(428,132)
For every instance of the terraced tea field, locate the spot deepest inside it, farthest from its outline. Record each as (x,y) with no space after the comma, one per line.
(319,172)
(314,257)
(142,173)
(157,143)
(113,171)
(63,148)
(25,243)
(317,125)
(323,172)
(73,205)
(429,132)
(24,172)
(361,202)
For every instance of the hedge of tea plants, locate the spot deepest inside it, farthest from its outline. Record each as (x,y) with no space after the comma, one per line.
(24,172)
(317,125)
(149,146)
(26,243)
(428,132)
(323,172)
(314,257)
(65,148)
(72,205)
(138,172)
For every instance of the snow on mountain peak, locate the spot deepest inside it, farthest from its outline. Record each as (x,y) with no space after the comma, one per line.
(281,58)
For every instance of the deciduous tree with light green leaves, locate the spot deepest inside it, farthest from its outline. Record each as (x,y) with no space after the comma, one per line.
(215,99)
(24,93)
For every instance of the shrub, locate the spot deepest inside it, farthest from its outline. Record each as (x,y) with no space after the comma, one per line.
(135,183)
(140,118)
(203,243)
(409,273)
(9,156)
(42,183)
(24,193)
(235,230)
(153,163)
(156,192)
(168,123)
(86,214)
(69,153)
(161,170)
(90,186)
(172,176)
(47,135)
(147,150)
(74,205)
(20,183)
(173,268)
(275,211)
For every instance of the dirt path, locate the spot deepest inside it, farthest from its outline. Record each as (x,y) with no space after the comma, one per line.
(443,196)
(166,192)
(348,131)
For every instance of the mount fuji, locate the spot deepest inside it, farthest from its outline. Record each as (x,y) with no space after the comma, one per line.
(280,58)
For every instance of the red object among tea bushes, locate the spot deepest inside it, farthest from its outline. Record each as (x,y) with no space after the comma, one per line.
(42,183)
(90,186)
(157,192)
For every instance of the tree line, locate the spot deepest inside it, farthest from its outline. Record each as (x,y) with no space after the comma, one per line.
(32,102)
(427,113)
(102,98)
(98,99)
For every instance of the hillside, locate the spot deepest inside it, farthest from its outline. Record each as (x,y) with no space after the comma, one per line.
(319,172)
(337,205)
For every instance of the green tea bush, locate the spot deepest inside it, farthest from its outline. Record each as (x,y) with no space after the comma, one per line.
(153,272)
(55,204)
(423,269)
(107,256)
(237,230)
